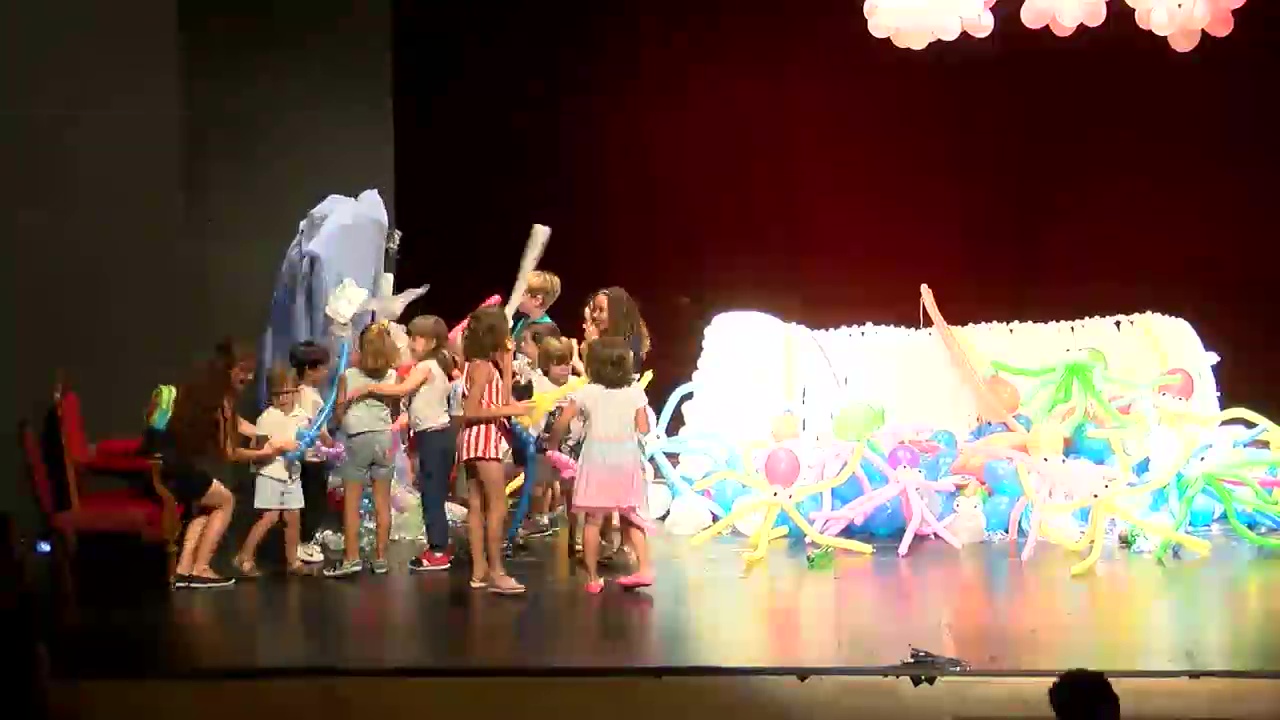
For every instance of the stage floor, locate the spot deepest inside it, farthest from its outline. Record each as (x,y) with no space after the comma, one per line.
(1129,617)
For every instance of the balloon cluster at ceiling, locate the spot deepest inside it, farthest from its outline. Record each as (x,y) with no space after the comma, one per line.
(915,24)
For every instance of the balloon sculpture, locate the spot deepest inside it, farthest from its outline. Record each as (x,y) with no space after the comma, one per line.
(915,24)
(1063,16)
(1182,22)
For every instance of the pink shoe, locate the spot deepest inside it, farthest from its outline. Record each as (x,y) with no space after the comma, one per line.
(635,580)
(594,587)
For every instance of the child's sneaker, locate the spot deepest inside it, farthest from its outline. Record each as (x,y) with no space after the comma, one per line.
(345,568)
(380,567)
(310,553)
(538,527)
(430,560)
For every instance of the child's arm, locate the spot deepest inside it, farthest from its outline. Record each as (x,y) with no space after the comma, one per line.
(246,428)
(561,426)
(642,420)
(477,379)
(340,405)
(417,377)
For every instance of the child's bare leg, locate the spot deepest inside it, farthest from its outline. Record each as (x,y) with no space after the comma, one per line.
(382,517)
(245,559)
(475,526)
(492,481)
(542,496)
(220,502)
(292,533)
(639,543)
(591,544)
(351,491)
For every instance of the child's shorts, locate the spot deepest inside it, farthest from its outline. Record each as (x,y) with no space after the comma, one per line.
(272,494)
(370,456)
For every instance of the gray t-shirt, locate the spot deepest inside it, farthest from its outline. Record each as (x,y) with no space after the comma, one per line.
(368,414)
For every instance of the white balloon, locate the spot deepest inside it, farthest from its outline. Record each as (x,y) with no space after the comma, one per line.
(659,501)
(748,523)
(687,516)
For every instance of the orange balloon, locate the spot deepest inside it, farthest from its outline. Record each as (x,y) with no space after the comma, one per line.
(1004,393)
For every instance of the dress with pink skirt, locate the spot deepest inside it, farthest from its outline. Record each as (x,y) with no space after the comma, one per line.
(611,473)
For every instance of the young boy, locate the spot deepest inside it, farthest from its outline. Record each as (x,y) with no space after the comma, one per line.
(310,362)
(541,292)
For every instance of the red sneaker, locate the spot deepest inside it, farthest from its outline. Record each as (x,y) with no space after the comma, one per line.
(430,560)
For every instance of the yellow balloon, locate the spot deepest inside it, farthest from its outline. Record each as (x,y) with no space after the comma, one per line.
(1046,439)
(785,427)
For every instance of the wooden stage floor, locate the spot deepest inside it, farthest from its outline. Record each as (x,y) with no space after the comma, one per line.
(1129,617)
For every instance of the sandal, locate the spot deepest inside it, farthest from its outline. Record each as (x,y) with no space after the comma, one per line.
(505,585)
(635,581)
(594,587)
(479,583)
(300,569)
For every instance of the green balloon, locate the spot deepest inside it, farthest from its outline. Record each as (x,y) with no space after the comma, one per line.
(1096,357)
(856,422)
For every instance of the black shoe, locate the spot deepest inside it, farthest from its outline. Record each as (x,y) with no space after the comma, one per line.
(198,582)
(181,581)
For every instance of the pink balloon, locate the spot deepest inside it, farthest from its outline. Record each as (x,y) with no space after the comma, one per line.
(980,26)
(903,456)
(1221,24)
(1035,15)
(1184,40)
(1143,18)
(782,467)
(988,3)
(1059,29)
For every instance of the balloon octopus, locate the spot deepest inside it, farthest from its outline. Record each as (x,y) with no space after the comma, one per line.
(1217,476)
(902,467)
(776,493)
(1074,383)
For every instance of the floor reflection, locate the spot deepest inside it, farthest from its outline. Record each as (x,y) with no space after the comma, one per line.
(979,604)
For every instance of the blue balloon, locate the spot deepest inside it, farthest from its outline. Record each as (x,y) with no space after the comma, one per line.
(948,502)
(1202,511)
(939,465)
(847,492)
(805,507)
(1095,450)
(1022,420)
(875,478)
(1001,476)
(1142,467)
(725,492)
(886,520)
(997,510)
(946,439)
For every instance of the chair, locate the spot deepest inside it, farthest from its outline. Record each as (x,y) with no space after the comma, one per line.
(115,457)
(155,519)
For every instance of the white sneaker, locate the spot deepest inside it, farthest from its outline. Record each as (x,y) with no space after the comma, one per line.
(310,553)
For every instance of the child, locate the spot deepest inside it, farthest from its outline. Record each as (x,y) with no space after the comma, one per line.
(310,362)
(610,475)
(613,313)
(526,357)
(554,370)
(370,445)
(542,289)
(429,385)
(486,408)
(277,488)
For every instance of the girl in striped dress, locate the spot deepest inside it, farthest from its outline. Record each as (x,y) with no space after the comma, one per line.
(482,443)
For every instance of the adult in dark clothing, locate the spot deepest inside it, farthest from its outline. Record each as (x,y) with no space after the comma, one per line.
(204,436)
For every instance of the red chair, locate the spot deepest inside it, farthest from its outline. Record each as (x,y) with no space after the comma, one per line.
(113,457)
(154,519)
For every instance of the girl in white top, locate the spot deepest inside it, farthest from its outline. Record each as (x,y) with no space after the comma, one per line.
(278,487)
(428,388)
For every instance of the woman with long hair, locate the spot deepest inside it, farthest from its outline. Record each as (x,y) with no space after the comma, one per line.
(204,436)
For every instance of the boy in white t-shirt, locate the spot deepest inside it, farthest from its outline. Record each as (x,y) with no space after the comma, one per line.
(277,488)
(310,362)
(428,388)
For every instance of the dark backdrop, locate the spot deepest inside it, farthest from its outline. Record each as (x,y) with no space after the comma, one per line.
(166,152)
(772,155)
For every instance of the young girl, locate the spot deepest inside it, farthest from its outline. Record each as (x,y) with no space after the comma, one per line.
(278,486)
(613,313)
(610,475)
(433,434)
(486,409)
(310,362)
(370,445)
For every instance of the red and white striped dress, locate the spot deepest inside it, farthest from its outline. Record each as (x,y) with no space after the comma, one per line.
(487,439)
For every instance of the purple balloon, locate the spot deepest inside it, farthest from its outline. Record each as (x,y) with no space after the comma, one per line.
(903,455)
